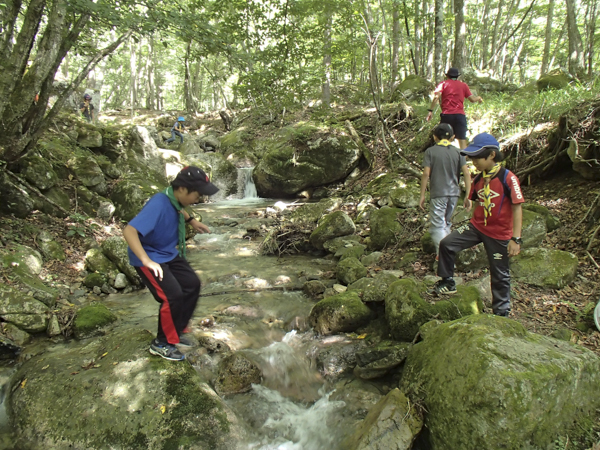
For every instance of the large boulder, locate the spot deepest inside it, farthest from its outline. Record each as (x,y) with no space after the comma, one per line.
(236,374)
(406,195)
(339,313)
(119,396)
(304,156)
(552,222)
(556,79)
(373,289)
(131,193)
(544,267)
(91,319)
(115,249)
(406,309)
(88,172)
(310,213)
(332,225)
(385,227)
(486,383)
(15,198)
(350,270)
(413,87)
(143,145)
(22,310)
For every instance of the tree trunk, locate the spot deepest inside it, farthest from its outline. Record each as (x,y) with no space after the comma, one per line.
(417,37)
(187,81)
(326,86)
(459,35)
(438,40)
(395,45)
(575,46)
(485,40)
(591,34)
(150,96)
(132,66)
(548,38)
(495,29)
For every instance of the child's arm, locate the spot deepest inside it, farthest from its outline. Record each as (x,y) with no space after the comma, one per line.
(133,240)
(424,180)
(513,247)
(467,174)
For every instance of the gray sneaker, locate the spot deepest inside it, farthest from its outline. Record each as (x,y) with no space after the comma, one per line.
(185,341)
(166,351)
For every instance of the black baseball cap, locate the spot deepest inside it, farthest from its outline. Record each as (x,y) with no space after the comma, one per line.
(453,72)
(443,131)
(195,179)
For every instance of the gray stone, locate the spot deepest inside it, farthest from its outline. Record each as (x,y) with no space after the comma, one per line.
(371,259)
(121,281)
(38,172)
(15,334)
(548,268)
(349,270)
(106,211)
(339,313)
(385,228)
(15,198)
(236,374)
(53,326)
(332,225)
(406,196)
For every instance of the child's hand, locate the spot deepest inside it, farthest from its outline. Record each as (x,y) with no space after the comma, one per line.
(513,248)
(468,204)
(155,267)
(199,226)
(422,202)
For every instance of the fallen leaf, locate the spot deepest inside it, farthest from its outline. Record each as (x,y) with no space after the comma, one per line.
(104,354)
(163,409)
(45,367)
(362,336)
(74,373)
(23,383)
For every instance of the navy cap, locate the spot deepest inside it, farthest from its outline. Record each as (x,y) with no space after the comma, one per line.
(453,72)
(194,178)
(480,143)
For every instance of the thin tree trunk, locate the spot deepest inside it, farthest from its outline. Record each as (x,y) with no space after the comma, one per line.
(575,45)
(187,89)
(150,96)
(495,30)
(326,86)
(395,45)
(132,66)
(591,34)
(439,36)
(459,35)
(485,41)
(417,36)
(412,53)
(560,37)
(548,38)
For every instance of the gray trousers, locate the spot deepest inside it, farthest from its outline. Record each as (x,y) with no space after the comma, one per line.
(440,218)
(497,251)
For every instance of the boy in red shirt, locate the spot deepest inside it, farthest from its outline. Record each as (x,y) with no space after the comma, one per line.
(496,222)
(452,94)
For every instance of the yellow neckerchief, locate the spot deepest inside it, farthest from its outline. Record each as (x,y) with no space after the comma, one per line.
(487,204)
(444,143)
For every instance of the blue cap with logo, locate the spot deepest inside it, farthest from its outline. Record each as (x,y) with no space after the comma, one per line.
(480,143)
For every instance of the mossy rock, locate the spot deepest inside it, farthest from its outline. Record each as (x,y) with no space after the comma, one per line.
(406,196)
(373,289)
(311,212)
(548,268)
(52,250)
(556,79)
(385,227)
(22,260)
(236,374)
(96,261)
(236,140)
(533,229)
(354,251)
(90,319)
(131,193)
(22,310)
(552,222)
(38,172)
(413,87)
(123,398)
(94,279)
(332,225)
(487,383)
(338,243)
(58,196)
(406,310)
(115,249)
(349,270)
(427,244)
(339,313)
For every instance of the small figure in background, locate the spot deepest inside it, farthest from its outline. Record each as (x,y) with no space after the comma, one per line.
(177,129)
(86,108)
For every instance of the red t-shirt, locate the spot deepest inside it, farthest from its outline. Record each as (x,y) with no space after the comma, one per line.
(500,223)
(454,93)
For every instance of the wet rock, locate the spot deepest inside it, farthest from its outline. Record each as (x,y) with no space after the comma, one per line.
(314,289)
(339,313)
(378,361)
(213,345)
(336,356)
(108,289)
(236,374)
(464,369)
(15,334)
(91,319)
(393,423)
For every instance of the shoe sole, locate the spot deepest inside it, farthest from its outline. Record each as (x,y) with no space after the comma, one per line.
(167,357)
(432,292)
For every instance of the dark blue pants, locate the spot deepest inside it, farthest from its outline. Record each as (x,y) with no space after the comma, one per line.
(497,251)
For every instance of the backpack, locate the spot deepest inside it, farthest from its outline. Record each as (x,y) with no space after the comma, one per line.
(502,175)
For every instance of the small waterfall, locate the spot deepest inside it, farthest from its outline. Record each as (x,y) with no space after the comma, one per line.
(246,186)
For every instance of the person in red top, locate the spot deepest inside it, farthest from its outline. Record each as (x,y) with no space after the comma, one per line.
(452,94)
(497,222)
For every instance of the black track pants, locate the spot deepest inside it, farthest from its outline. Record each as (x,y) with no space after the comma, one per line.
(497,251)
(177,294)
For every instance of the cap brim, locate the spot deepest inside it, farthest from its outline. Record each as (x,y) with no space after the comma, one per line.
(208,189)
(474,150)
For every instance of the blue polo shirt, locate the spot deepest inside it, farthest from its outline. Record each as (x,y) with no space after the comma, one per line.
(157,225)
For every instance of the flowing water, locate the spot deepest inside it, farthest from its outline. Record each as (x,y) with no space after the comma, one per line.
(254,302)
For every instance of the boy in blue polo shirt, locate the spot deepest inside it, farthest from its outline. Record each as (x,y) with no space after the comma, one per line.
(156,239)
(176,130)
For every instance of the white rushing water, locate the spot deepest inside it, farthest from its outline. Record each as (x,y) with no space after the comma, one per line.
(246,184)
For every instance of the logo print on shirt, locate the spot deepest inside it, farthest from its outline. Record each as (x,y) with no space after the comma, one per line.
(493,195)
(517,188)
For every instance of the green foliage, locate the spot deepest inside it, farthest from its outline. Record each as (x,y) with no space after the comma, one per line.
(78,226)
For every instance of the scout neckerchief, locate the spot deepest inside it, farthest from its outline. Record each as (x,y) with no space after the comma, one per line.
(444,143)
(487,196)
(181,228)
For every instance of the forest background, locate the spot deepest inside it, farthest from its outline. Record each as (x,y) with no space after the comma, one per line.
(205,55)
